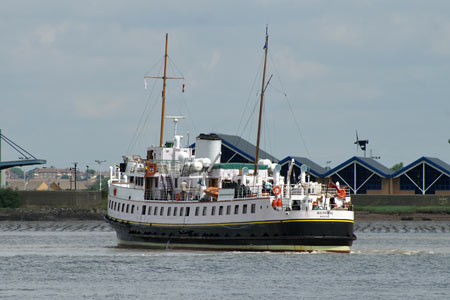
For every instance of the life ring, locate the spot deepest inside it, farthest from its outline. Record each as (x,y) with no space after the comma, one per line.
(276,190)
(341,193)
(177,196)
(150,169)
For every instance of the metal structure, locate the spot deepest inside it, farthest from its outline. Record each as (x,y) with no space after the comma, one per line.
(26,158)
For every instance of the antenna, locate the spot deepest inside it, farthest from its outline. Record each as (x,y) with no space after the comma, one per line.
(374,157)
(361,143)
(175,119)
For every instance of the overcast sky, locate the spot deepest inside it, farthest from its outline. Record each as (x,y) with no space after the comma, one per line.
(72,76)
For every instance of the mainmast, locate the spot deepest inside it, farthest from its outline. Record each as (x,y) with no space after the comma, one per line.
(261,103)
(161,137)
(163,94)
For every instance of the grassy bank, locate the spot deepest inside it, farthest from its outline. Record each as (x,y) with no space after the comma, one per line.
(403,209)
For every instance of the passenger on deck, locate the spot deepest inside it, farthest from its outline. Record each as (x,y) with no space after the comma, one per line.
(183,190)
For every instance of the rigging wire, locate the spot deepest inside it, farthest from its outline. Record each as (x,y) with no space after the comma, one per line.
(247,104)
(140,126)
(291,110)
(190,118)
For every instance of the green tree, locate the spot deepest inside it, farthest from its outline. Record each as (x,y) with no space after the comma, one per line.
(17,171)
(397,166)
(9,198)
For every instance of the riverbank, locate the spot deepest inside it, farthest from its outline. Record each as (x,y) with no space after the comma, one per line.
(51,214)
(369,216)
(68,214)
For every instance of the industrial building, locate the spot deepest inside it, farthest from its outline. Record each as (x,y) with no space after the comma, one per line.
(363,175)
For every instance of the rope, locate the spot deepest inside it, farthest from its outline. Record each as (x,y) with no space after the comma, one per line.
(140,126)
(291,110)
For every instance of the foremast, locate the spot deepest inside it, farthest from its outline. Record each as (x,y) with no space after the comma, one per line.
(164,78)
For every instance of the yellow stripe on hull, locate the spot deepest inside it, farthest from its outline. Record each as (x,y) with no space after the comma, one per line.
(231,224)
(287,248)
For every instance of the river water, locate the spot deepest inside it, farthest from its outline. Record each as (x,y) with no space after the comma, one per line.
(80,260)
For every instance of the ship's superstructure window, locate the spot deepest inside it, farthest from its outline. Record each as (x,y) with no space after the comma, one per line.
(156,182)
(220,210)
(204,210)
(128,208)
(181,211)
(132,209)
(228,209)
(169,210)
(131,179)
(188,210)
(175,211)
(139,181)
(236,209)
(213,211)
(253,209)
(123,206)
(155,211)
(176,183)
(143,209)
(161,211)
(149,210)
(197,209)
(244,209)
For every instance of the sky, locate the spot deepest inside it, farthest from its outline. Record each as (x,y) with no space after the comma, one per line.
(72,77)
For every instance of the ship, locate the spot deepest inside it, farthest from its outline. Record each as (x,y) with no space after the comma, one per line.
(187,198)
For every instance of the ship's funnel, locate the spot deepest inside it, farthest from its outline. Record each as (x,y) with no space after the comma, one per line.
(208,146)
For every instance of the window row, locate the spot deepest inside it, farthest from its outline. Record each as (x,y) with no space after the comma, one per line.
(137,180)
(183,211)
(121,207)
(203,211)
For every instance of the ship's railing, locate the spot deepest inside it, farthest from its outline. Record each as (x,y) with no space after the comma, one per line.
(191,194)
(196,194)
(167,166)
(313,189)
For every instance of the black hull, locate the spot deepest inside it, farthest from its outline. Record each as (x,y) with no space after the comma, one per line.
(287,235)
